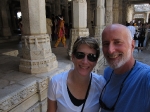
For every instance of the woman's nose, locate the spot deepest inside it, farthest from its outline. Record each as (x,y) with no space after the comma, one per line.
(85,59)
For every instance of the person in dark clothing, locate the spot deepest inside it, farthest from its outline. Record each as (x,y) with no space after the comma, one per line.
(141,37)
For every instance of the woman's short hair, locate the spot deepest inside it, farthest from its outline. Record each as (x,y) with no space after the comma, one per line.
(90,41)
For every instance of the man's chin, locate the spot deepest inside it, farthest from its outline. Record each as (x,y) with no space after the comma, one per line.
(115,65)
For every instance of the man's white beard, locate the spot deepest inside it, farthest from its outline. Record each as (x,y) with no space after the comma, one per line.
(118,63)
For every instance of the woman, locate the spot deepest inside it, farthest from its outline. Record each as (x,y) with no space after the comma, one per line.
(78,89)
(60,32)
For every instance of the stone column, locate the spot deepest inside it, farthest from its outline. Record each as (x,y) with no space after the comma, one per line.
(53,8)
(124,11)
(89,19)
(147,16)
(100,19)
(109,13)
(129,13)
(0,20)
(79,22)
(57,7)
(37,56)
(116,11)
(120,15)
(99,26)
(66,18)
(6,31)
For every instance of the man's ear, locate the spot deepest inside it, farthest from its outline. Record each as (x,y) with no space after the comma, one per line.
(133,44)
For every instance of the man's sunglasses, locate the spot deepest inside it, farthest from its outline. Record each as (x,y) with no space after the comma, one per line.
(90,57)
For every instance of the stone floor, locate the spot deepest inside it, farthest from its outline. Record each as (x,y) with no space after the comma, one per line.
(11,79)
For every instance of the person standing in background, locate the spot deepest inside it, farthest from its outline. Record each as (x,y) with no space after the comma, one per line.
(61,32)
(20,25)
(141,37)
(132,29)
(49,26)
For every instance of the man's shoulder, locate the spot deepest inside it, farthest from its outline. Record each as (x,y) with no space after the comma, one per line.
(143,69)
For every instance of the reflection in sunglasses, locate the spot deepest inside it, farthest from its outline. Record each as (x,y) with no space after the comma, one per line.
(91,57)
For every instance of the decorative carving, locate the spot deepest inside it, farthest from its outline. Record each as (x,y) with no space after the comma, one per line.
(37,41)
(80,1)
(38,66)
(5,105)
(14,99)
(139,16)
(42,84)
(108,16)
(38,63)
(142,7)
(36,47)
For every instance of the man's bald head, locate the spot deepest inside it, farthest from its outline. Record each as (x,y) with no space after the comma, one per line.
(118,28)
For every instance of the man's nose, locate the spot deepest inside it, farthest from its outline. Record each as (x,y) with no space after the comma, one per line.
(111,48)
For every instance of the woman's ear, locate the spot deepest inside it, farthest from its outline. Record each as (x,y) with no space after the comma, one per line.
(72,57)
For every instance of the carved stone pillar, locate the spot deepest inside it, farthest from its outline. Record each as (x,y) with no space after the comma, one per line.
(79,22)
(115,11)
(6,32)
(109,13)
(124,14)
(57,7)
(147,16)
(100,19)
(120,14)
(37,56)
(0,19)
(129,13)
(99,26)
(66,18)
(90,18)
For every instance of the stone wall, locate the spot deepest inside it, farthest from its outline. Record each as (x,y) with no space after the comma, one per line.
(29,93)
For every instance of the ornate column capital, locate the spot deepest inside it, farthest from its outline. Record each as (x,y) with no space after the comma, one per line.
(80,1)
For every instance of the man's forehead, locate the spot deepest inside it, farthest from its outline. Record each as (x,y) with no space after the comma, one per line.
(111,39)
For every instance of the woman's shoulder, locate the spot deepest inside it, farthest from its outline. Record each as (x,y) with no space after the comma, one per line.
(98,81)
(59,76)
(98,77)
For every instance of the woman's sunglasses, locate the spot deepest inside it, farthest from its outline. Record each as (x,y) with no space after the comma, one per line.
(90,57)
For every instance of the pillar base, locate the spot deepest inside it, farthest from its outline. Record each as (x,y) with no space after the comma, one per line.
(37,56)
(38,66)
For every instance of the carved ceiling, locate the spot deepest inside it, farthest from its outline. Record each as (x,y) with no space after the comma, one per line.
(142,7)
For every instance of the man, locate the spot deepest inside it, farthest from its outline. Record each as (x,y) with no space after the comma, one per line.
(128,81)
(132,29)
